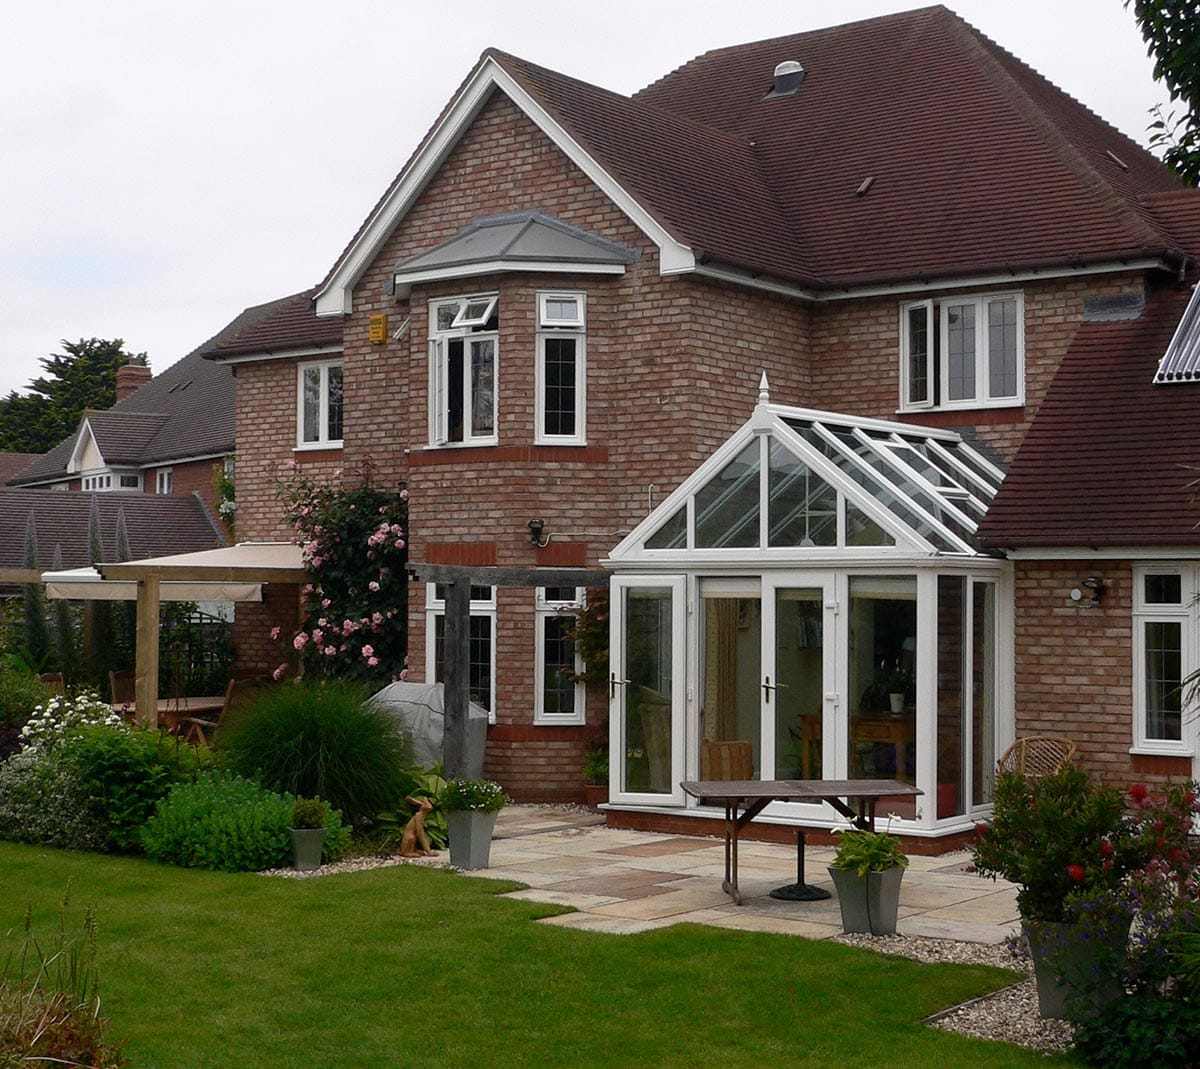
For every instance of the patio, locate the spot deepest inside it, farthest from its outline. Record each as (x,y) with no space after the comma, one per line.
(623,882)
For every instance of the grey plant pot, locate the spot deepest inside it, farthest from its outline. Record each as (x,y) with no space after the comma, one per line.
(307,844)
(470,834)
(869,903)
(1075,962)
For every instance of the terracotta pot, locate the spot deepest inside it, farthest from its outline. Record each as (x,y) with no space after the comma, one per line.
(596,794)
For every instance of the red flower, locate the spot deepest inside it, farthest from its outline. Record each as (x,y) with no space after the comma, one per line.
(1138,793)
(1106,848)
(1076,872)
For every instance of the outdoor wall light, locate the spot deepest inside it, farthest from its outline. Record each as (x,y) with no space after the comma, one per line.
(1095,586)
(536,527)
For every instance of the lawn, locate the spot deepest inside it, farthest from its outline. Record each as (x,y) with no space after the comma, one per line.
(415,967)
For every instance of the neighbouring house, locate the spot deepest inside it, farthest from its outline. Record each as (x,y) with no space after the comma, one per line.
(840,351)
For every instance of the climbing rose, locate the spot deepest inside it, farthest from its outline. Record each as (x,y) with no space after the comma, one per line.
(1076,872)
(1138,793)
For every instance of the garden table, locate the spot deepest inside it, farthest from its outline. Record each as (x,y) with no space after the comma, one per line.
(855,799)
(172,712)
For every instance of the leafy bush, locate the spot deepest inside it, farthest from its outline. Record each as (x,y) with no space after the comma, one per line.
(43,800)
(60,717)
(867,851)
(388,830)
(49,1002)
(20,693)
(224,822)
(309,813)
(320,740)
(1141,1028)
(125,772)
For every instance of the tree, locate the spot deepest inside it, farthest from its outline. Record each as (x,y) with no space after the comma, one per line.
(1171,30)
(85,376)
(37,641)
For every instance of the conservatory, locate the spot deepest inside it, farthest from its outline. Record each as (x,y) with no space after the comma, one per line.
(811,603)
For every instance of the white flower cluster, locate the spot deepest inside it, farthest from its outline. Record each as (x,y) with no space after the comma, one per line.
(50,723)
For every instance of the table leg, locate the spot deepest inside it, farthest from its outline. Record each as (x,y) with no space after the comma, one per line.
(730,886)
(800,891)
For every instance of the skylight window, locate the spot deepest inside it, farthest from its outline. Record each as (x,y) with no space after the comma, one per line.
(1181,361)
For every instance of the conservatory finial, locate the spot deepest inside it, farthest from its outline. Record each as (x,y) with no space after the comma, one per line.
(764,390)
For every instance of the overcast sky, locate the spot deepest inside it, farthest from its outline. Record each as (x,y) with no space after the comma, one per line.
(166,165)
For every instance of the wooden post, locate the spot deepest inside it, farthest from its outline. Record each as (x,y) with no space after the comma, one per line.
(456,675)
(146,652)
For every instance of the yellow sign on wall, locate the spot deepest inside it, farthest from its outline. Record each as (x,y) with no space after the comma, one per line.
(377,329)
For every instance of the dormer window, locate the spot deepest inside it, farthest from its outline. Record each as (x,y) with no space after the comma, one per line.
(963,352)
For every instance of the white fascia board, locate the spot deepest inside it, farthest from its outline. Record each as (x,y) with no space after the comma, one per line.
(406,280)
(1086,553)
(745,278)
(283,354)
(84,435)
(335,298)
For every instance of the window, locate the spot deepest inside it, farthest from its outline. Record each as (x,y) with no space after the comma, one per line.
(319,405)
(463,358)
(963,352)
(561,369)
(482,642)
(1164,644)
(559,699)
(129,482)
(97,482)
(164,481)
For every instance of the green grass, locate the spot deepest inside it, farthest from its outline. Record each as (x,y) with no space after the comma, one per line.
(417,967)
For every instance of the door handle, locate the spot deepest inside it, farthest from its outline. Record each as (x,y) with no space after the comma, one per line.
(614,682)
(768,686)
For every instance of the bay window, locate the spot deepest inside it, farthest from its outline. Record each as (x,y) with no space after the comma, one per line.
(482,643)
(463,360)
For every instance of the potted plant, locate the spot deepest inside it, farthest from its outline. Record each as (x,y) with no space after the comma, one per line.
(307,831)
(1065,842)
(866,871)
(471,806)
(899,685)
(595,775)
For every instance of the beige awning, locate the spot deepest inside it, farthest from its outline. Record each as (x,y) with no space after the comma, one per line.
(247,562)
(86,584)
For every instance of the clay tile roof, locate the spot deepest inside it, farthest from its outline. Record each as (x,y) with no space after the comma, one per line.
(13,464)
(278,326)
(157,524)
(1109,456)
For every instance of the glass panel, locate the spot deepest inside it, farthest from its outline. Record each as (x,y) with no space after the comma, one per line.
(918,354)
(558,659)
(483,387)
(672,534)
(558,371)
(731,706)
(727,507)
(1002,348)
(882,656)
(861,530)
(561,310)
(446,314)
(799,666)
(312,404)
(1164,678)
(1163,588)
(454,390)
(803,506)
(649,673)
(960,350)
(983,698)
(334,420)
(480,657)
(952,700)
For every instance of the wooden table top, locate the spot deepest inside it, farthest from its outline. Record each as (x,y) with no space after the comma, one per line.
(798,790)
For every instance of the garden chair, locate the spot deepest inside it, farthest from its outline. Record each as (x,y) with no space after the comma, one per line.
(55,681)
(199,729)
(726,760)
(123,686)
(1036,756)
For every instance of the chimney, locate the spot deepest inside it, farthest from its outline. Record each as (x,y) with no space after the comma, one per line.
(788,76)
(130,377)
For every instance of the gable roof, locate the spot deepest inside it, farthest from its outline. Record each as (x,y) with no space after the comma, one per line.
(157,524)
(977,164)
(1109,457)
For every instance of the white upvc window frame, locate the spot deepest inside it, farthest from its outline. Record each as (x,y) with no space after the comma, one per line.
(164,481)
(480,608)
(98,482)
(322,440)
(559,328)
(1184,613)
(472,314)
(555,609)
(937,379)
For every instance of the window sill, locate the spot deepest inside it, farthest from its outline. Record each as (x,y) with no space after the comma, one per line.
(1150,750)
(317,447)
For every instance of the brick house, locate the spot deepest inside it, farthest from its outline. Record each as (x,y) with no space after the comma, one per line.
(888,250)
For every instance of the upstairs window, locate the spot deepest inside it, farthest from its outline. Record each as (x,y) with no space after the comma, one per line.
(319,405)
(164,481)
(463,358)
(963,352)
(561,373)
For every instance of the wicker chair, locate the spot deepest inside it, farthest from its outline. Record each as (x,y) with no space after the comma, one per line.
(1036,756)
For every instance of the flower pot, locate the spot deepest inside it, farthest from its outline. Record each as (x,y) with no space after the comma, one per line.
(596,794)
(896,701)
(1074,964)
(470,834)
(869,903)
(307,844)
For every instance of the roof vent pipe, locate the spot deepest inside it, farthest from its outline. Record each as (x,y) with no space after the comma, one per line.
(788,76)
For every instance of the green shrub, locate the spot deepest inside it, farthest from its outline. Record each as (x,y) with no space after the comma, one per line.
(125,772)
(1141,1028)
(222,821)
(309,813)
(320,740)
(20,693)
(43,800)
(60,718)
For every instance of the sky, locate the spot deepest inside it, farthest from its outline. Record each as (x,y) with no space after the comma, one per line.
(163,165)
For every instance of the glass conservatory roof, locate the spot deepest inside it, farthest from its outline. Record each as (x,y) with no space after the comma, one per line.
(813,482)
